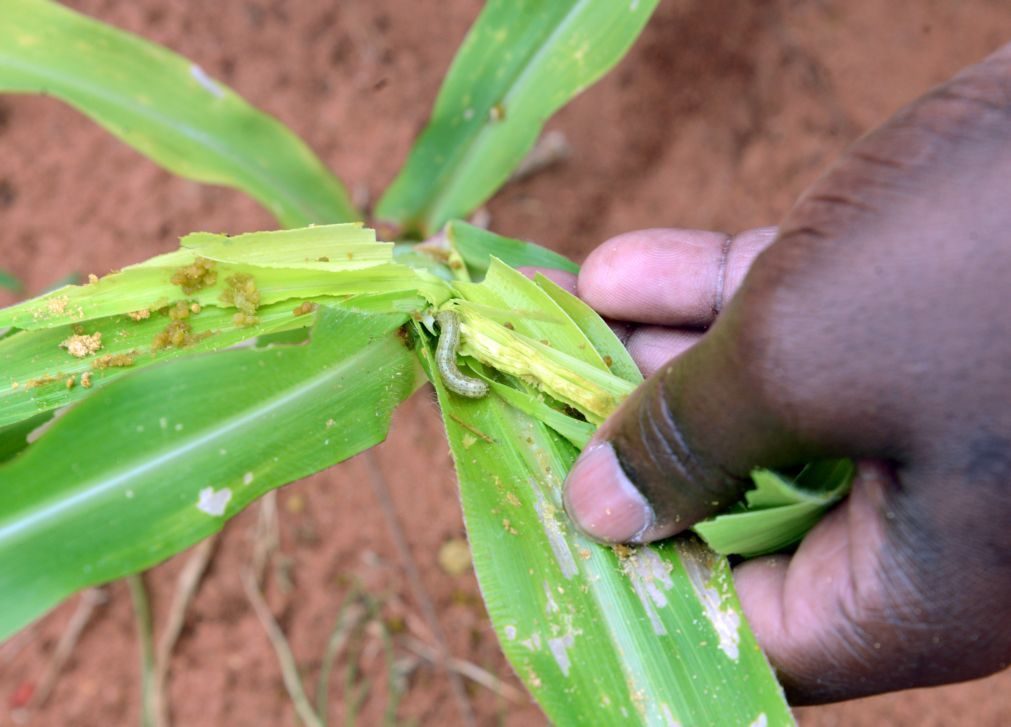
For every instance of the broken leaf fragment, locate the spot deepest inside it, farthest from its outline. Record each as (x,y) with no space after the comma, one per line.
(779,511)
(595,393)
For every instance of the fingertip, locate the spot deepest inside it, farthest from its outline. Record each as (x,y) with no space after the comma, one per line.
(662,276)
(671,276)
(601,500)
(759,583)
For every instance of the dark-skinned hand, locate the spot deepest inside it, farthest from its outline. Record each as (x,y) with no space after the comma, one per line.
(875,324)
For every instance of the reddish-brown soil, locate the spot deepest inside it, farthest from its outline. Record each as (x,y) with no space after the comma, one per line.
(718,118)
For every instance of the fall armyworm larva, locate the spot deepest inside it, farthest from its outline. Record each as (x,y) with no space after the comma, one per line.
(445,359)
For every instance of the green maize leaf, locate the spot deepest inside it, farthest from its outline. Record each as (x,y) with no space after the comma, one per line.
(476,247)
(532,312)
(167,108)
(36,368)
(648,636)
(521,62)
(407,253)
(39,374)
(593,392)
(9,282)
(779,512)
(577,432)
(532,402)
(539,343)
(827,477)
(148,286)
(182,448)
(760,532)
(396,301)
(14,437)
(326,247)
(600,335)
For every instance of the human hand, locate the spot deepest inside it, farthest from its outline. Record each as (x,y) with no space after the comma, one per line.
(875,325)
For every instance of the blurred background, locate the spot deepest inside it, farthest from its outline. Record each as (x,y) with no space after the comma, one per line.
(723,112)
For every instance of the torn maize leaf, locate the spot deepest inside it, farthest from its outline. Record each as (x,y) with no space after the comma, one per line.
(593,392)
(149,286)
(348,246)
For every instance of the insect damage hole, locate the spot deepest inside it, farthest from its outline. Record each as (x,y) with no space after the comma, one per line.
(445,359)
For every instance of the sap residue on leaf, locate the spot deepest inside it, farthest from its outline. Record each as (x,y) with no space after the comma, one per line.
(214,502)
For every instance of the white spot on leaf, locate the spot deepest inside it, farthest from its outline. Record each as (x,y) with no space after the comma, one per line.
(560,650)
(760,721)
(209,84)
(510,632)
(698,564)
(214,503)
(552,605)
(556,537)
(247,479)
(650,577)
(533,643)
(668,717)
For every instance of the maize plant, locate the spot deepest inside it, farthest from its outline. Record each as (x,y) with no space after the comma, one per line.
(133,424)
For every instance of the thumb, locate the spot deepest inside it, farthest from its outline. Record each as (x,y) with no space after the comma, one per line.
(681,447)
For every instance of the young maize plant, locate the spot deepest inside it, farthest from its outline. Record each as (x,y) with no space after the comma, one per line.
(132,425)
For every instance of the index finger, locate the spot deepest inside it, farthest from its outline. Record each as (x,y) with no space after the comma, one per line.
(669,277)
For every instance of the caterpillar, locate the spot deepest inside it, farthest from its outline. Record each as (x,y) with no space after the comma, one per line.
(445,359)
